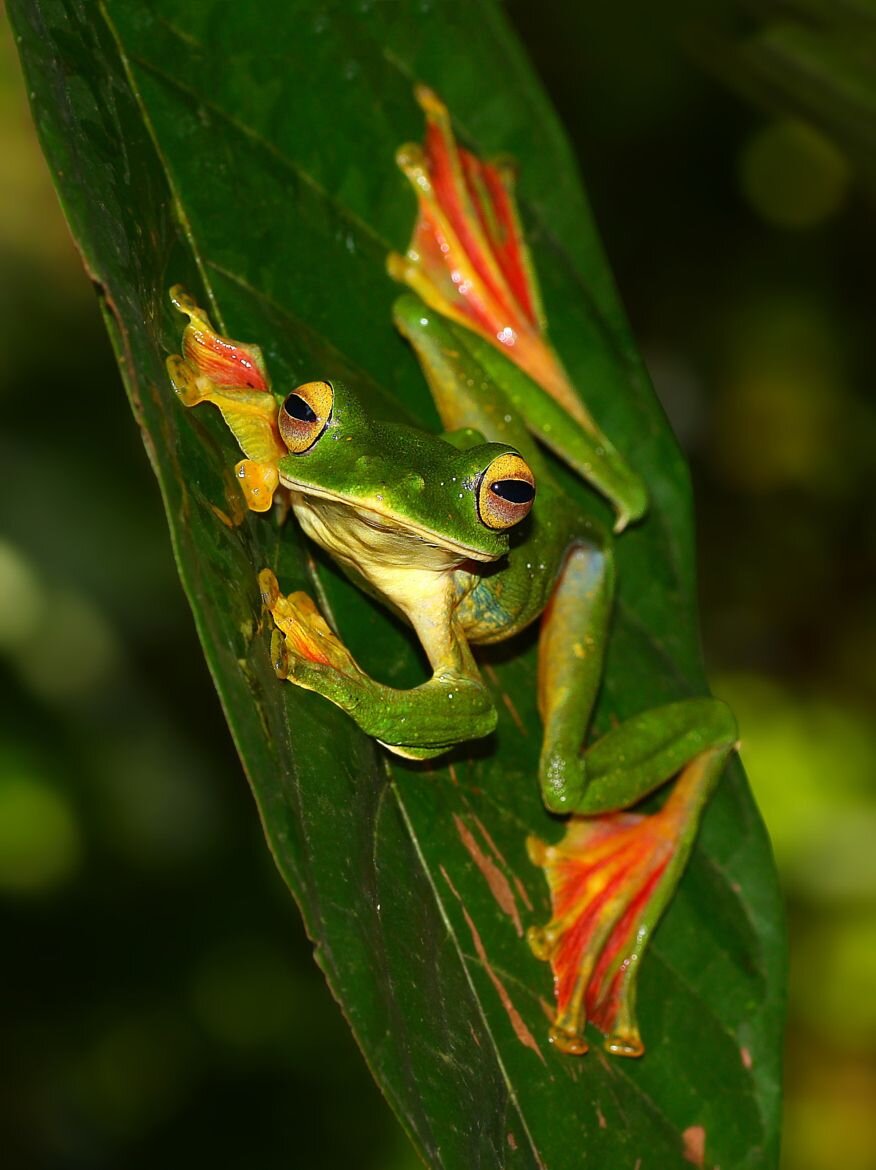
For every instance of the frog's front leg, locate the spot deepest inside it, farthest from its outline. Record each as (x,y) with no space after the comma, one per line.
(453,706)
(613,873)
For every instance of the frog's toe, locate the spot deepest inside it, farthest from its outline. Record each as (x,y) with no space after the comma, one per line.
(279,655)
(258,482)
(186,384)
(568,1041)
(536,850)
(625,1043)
(269,588)
(540,942)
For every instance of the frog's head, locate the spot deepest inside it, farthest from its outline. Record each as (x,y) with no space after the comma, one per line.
(396,478)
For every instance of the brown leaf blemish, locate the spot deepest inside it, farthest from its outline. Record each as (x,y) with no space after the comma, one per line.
(694,1138)
(494,849)
(221,516)
(513,712)
(521,890)
(506,699)
(521,1031)
(499,885)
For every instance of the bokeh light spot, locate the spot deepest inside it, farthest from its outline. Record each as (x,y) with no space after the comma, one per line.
(21,598)
(775,429)
(72,654)
(40,843)
(833,978)
(831,1121)
(134,1075)
(792,175)
(246,996)
(810,765)
(785,412)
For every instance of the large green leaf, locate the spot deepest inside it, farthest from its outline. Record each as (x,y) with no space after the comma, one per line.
(246,150)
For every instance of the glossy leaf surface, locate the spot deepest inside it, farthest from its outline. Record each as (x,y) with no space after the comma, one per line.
(246,151)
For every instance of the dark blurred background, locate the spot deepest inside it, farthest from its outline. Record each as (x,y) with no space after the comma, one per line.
(159,1004)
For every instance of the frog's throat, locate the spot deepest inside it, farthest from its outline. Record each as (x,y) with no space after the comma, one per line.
(386,521)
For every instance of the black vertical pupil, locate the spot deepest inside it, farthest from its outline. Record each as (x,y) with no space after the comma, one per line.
(515,491)
(297,408)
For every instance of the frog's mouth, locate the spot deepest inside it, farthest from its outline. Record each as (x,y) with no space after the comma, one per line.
(350,514)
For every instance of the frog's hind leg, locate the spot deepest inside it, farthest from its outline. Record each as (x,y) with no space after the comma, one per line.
(614,872)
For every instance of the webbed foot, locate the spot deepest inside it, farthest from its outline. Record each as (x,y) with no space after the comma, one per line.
(233,376)
(304,650)
(610,879)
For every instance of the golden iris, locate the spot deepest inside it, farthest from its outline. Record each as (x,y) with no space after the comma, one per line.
(305,414)
(506,491)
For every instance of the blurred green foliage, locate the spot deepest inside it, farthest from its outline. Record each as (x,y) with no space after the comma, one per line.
(144,926)
(812,59)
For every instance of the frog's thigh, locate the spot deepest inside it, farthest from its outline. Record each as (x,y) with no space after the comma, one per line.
(570,659)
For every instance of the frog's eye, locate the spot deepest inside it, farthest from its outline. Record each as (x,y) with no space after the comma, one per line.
(505,492)
(305,415)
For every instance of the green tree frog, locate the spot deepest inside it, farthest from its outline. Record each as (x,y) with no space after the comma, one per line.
(469,537)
